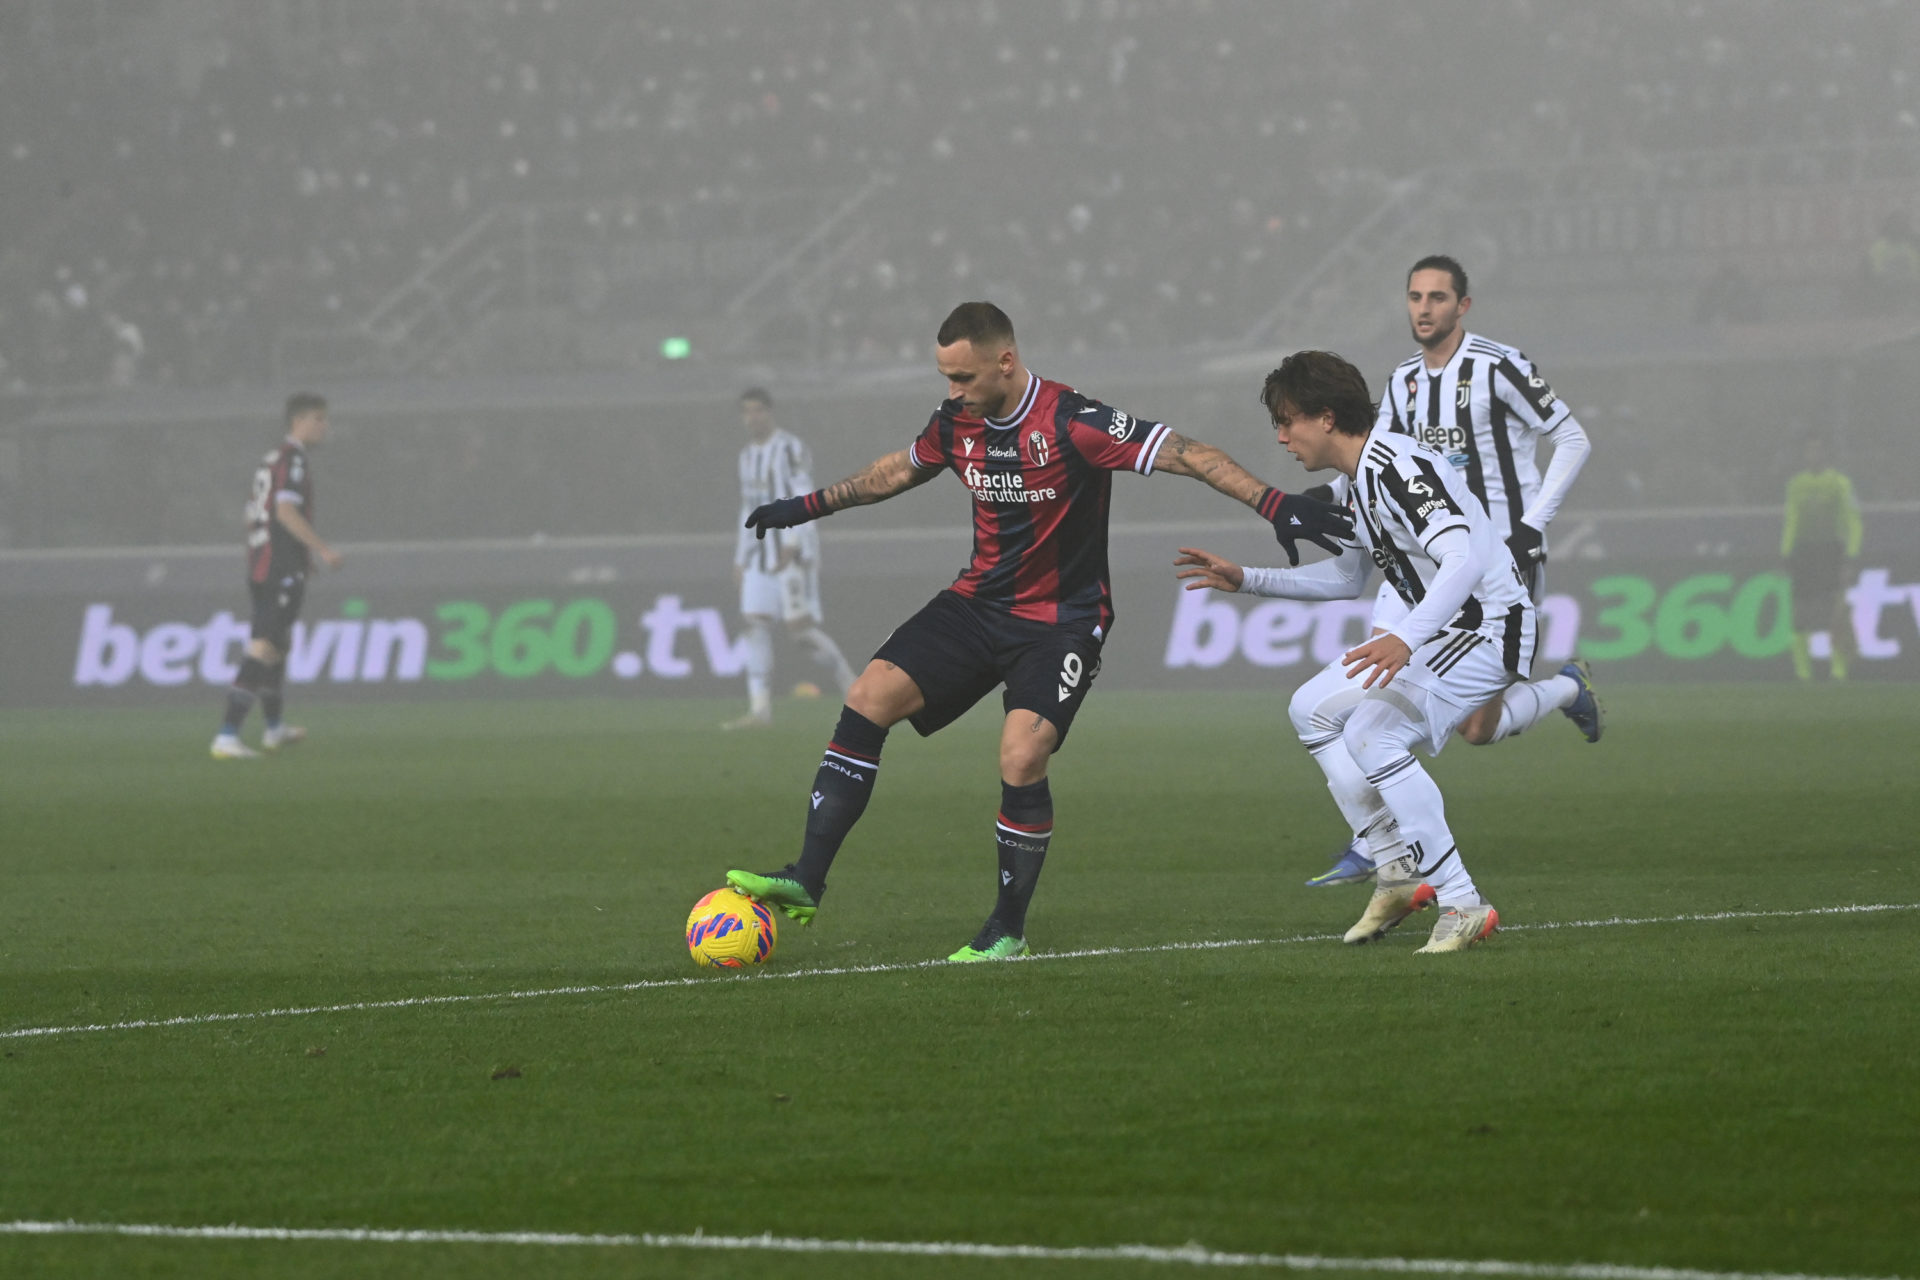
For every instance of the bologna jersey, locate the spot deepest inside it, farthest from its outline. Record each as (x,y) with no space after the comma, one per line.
(1403,495)
(1485,411)
(777,467)
(1041,483)
(272,552)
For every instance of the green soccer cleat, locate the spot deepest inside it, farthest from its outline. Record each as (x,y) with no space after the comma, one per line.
(1004,947)
(780,889)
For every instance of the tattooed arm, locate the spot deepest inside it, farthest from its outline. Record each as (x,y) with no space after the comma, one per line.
(1293,517)
(878,481)
(1211,467)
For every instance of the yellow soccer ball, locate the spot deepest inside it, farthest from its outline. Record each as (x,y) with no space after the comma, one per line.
(729,930)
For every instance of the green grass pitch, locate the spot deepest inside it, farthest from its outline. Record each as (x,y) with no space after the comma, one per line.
(1730,1095)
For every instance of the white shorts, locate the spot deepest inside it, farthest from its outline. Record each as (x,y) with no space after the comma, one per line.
(1447,679)
(791,595)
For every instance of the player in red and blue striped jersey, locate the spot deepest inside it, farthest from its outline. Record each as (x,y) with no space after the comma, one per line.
(1031,610)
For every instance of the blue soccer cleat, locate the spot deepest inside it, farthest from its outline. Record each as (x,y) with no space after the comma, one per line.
(1351,867)
(1588,716)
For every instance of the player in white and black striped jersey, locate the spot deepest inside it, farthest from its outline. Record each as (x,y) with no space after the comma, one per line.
(1465,634)
(778,576)
(1485,407)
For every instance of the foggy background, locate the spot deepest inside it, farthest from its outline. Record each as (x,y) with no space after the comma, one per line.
(488,230)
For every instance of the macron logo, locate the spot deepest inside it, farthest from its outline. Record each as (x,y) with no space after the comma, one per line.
(966,445)
(1006,877)
(1293,519)
(817,798)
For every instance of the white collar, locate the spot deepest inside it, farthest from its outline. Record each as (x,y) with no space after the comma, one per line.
(1027,398)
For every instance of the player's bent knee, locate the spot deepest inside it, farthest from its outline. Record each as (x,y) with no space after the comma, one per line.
(885,694)
(1319,706)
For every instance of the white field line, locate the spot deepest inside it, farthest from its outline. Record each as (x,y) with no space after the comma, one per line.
(649,984)
(1192,1255)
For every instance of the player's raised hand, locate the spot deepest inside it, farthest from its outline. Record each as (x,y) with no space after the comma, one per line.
(784,513)
(1386,654)
(1296,517)
(1203,569)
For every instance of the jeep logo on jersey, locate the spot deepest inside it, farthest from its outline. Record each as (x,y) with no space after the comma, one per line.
(1037,446)
(1120,425)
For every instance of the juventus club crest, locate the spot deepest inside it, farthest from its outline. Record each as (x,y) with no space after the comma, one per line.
(1037,447)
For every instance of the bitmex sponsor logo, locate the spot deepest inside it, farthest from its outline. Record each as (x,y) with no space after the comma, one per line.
(460,640)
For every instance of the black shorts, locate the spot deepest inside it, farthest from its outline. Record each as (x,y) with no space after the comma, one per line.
(956,650)
(276,606)
(1818,570)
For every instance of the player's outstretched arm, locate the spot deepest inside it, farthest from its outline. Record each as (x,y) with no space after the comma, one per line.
(1203,569)
(876,482)
(1293,517)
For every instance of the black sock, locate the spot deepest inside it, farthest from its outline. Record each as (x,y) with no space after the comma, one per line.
(270,694)
(240,697)
(1021,836)
(840,791)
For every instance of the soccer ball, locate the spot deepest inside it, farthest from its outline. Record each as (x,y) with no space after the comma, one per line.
(729,930)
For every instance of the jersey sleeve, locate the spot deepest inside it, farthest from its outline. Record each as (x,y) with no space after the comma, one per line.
(1113,440)
(928,452)
(291,482)
(1412,487)
(1521,388)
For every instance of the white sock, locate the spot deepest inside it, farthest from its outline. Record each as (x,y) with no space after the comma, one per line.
(1414,799)
(1523,706)
(1380,735)
(1359,803)
(759,669)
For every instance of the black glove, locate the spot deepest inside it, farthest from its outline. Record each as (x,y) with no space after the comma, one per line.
(1294,516)
(1319,493)
(784,513)
(1527,546)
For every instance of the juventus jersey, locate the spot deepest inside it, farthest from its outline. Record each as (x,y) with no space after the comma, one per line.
(1403,496)
(1484,412)
(1041,480)
(283,475)
(778,467)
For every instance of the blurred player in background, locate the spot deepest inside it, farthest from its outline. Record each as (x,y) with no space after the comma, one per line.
(779,575)
(1485,407)
(1031,611)
(1822,532)
(281,543)
(1465,633)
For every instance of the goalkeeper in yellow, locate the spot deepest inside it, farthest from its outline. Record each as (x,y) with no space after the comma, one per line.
(1822,532)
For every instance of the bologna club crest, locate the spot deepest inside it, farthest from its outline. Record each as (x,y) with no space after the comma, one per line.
(1037,446)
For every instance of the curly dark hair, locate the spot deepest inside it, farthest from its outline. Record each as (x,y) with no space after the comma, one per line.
(1316,382)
